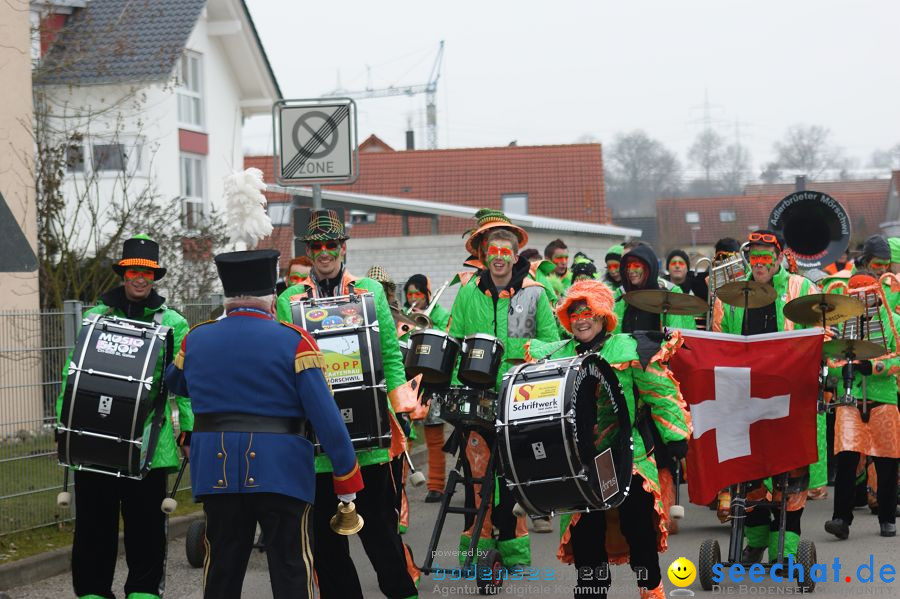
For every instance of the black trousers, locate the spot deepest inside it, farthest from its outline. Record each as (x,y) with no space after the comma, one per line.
(845,482)
(376,503)
(99,499)
(286,524)
(637,526)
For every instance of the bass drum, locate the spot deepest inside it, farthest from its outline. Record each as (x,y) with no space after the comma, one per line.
(564,433)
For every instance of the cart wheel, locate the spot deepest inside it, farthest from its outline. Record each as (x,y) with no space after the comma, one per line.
(195,544)
(806,557)
(489,573)
(710,555)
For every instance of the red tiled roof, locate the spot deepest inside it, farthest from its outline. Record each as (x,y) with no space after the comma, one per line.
(865,202)
(373,143)
(563,181)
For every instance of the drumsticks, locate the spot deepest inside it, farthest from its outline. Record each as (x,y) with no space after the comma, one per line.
(169,504)
(676,511)
(415,477)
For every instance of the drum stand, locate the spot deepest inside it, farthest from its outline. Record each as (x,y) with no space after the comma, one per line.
(710,553)
(486,572)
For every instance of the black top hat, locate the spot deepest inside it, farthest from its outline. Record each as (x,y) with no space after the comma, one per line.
(324,225)
(142,252)
(253,272)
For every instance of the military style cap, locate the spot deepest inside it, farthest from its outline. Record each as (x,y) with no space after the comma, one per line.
(252,272)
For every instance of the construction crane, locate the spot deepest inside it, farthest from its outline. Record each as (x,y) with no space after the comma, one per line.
(429,89)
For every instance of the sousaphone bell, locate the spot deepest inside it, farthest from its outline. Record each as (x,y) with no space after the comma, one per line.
(346,521)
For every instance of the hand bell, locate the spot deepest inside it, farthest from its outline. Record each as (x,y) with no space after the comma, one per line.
(346,521)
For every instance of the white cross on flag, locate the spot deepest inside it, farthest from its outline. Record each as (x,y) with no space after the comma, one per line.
(753,405)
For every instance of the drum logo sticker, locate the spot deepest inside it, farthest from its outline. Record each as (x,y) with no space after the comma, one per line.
(347,415)
(538,449)
(477,354)
(118,345)
(423,349)
(606,474)
(535,399)
(105,406)
(316,314)
(343,362)
(333,322)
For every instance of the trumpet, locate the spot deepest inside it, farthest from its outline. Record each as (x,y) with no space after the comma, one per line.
(422,319)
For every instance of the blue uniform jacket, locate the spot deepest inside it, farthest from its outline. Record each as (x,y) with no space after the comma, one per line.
(248,363)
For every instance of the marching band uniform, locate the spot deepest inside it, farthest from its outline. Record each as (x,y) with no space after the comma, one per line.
(762,523)
(433,425)
(635,531)
(99,497)
(633,319)
(336,574)
(514,314)
(255,382)
(875,433)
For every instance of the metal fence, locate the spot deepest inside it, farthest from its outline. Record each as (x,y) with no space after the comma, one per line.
(34,347)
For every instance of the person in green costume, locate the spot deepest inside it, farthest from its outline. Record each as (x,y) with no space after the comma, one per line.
(326,246)
(560,277)
(591,541)
(505,302)
(613,260)
(766,252)
(102,497)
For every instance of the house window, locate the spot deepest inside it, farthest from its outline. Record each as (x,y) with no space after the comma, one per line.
(190,90)
(727,216)
(109,157)
(692,217)
(515,203)
(359,217)
(279,213)
(193,190)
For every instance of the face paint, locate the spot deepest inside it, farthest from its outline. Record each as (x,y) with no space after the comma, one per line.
(677,262)
(135,273)
(613,266)
(298,277)
(583,313)
(635,267)
(503,253)
(414,296)
(879,265)
(762,258)
(561,259)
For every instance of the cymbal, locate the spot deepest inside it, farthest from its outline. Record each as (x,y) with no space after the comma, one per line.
(758,295)
(853,349)
(658,301)
(819,308)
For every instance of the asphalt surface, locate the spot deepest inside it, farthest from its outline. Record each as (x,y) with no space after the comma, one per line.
(552,578)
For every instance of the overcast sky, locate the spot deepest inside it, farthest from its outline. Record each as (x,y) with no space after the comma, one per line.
(551,72)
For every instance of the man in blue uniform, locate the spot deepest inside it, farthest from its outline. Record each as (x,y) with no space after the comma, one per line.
(258,385)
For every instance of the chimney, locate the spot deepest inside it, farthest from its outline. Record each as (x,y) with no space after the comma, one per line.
(800,183)
(410,139)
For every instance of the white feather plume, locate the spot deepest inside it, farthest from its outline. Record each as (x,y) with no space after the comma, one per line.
(245,207)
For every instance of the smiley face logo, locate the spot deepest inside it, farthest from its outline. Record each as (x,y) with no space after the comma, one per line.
(682,572)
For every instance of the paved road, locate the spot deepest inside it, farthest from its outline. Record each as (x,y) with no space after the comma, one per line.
(184,582)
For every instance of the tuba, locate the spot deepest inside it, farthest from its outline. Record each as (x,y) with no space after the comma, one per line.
(815,227)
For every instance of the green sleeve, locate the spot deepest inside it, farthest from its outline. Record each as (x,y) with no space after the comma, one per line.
(180,329)
(658,391)
(391,358)
(283,303)
(457,320)
(440,317)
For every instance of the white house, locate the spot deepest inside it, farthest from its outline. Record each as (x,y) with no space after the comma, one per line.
(151,95)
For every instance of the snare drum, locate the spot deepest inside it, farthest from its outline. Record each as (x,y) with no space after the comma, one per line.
(346,330)
(464,406)
(109,394)
(549,453)
(480,362)
(432,353)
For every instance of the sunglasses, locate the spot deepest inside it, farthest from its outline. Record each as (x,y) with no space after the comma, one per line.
(584,313)
(298,277)
(764,238)
(318,246)
(495,251)
(138,273)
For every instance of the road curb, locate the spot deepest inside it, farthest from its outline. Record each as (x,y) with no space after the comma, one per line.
(58,561)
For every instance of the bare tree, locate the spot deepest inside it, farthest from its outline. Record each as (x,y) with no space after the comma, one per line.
(887,159)
(639,170)
(735,168)
(808,149)
(707,152)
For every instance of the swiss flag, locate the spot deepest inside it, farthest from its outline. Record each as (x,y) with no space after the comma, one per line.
(753,405)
